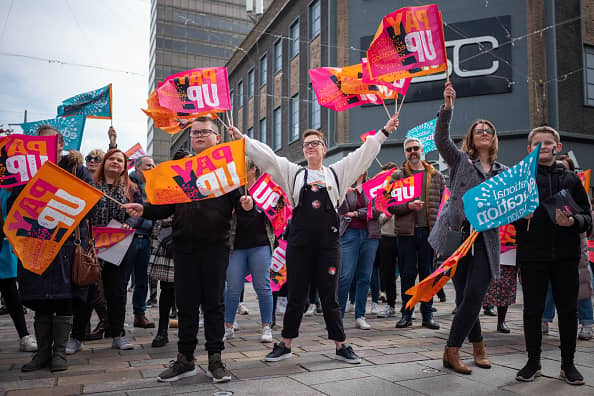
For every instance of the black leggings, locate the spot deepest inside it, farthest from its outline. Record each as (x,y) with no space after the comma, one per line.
(166,302)
(12,299)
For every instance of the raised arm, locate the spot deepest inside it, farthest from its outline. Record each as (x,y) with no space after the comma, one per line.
(443,141)
(358,161)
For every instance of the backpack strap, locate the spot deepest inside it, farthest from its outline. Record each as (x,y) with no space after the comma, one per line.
(335,178)
(297,174)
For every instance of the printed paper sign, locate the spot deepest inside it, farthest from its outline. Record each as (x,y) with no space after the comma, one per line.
(269,197)
(212,173)
(424,133)
(45,213)
(196,91)
(106,237)
(504,198)
(399,192)
(92,104)
(278,267)
(408,43)
(326,82)
(114,249)
(71,128)
(133,153)
(21,156)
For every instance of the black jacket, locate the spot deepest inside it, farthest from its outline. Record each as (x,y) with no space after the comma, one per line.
(204,221)
(546,241)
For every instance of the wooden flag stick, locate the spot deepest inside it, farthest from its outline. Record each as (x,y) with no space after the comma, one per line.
(387,112)
(114,200)
(379,163)
(401,103)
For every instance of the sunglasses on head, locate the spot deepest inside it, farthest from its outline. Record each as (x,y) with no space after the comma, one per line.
(93,158)
(412,148)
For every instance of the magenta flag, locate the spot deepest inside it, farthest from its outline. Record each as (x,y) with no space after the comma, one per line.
(408,43)
(196,91)
(21,156)
(399,192)
(374,185)
(269,197)
(326,82)
(400,86)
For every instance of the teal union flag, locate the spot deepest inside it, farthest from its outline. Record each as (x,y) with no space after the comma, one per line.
(92,104)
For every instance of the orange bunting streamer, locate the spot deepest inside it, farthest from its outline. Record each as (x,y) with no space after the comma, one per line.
(427,288)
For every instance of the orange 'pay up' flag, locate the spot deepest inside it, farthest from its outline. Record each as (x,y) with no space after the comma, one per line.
(45,213)
(429,286)
(585,178)
(212,173)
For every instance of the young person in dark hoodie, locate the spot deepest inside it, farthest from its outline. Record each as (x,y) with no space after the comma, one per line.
(550,251)
(201,255)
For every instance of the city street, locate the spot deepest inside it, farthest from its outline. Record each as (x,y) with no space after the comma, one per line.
(395,362)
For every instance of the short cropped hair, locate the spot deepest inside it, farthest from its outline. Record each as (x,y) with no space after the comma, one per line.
(411,139)
(208,119)
(45,127)
(544,129)
(315,132)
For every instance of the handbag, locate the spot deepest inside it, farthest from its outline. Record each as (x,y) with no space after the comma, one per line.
(166,240)
(85,266)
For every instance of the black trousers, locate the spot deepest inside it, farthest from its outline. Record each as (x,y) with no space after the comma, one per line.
(114,287)
(61,307)
(82,312)
(471,282)
(166,302)
(200,274)
(313,259)
(564,279)
(388,254)
(12,299)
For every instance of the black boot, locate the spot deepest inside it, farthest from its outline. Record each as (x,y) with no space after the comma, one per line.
(161,339)
(61,330)
(43,332)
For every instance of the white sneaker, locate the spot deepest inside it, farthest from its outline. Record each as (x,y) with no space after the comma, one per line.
(362,323)
(72,346)
(585,333)
(266,334)
(121,343)
(229,333)
(28,344)
(374,309)
(387,312)
(235,325)
(311,310)
(348,308)
(242,309)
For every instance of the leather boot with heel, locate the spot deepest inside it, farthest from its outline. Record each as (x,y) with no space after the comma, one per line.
(480,355)
(451,359)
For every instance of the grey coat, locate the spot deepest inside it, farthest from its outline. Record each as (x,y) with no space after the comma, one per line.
(465,173)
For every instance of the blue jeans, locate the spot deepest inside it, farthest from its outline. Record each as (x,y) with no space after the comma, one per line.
(138,254)
(358,253)
(375,284)
(254,261)
(585,311)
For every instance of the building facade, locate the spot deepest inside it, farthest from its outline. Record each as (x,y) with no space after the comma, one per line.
(518,64)
(189,34)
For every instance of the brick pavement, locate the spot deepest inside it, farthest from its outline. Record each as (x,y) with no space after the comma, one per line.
(395,362)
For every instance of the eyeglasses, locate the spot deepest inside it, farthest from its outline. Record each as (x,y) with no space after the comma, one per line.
(202,132)
(313,143)
(488,131)
(92,158)
(412,148)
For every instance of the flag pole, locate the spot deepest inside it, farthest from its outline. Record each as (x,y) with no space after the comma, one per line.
(401,103)
(114,200)
(387,112)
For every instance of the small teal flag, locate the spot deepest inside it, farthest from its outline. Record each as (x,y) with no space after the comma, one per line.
(424,133)
(93,104)
(71,128)
(504,198)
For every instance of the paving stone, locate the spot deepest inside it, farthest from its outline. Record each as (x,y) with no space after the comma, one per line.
(270,371)
(396,358)
(268,386)
(548,386)
(364,386)
(402,371)
(176,389)
(28,384)
(320,377)
(51,391)
(329,364)
(148,384)
(447,385)
(118,375)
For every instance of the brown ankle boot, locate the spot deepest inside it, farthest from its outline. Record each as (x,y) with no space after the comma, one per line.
(141,321)
(451,359)
(480,355)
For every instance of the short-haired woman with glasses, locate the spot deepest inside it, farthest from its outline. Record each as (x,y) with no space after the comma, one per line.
(313,246)
(470,166)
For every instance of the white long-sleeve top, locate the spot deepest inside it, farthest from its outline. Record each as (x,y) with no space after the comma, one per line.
(283,171)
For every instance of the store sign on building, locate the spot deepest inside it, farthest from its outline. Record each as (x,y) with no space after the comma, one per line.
(479,60)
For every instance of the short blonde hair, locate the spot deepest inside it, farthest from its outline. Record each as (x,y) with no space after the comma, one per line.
(544,129)
(97,152)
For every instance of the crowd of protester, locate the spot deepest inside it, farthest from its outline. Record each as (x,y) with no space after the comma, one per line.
(339,249)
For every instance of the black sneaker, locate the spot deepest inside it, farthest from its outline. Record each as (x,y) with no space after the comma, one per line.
(160,340)
(346,354)
(216,369)
(178,369)
(279,352)
(570,374)
(530,371)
